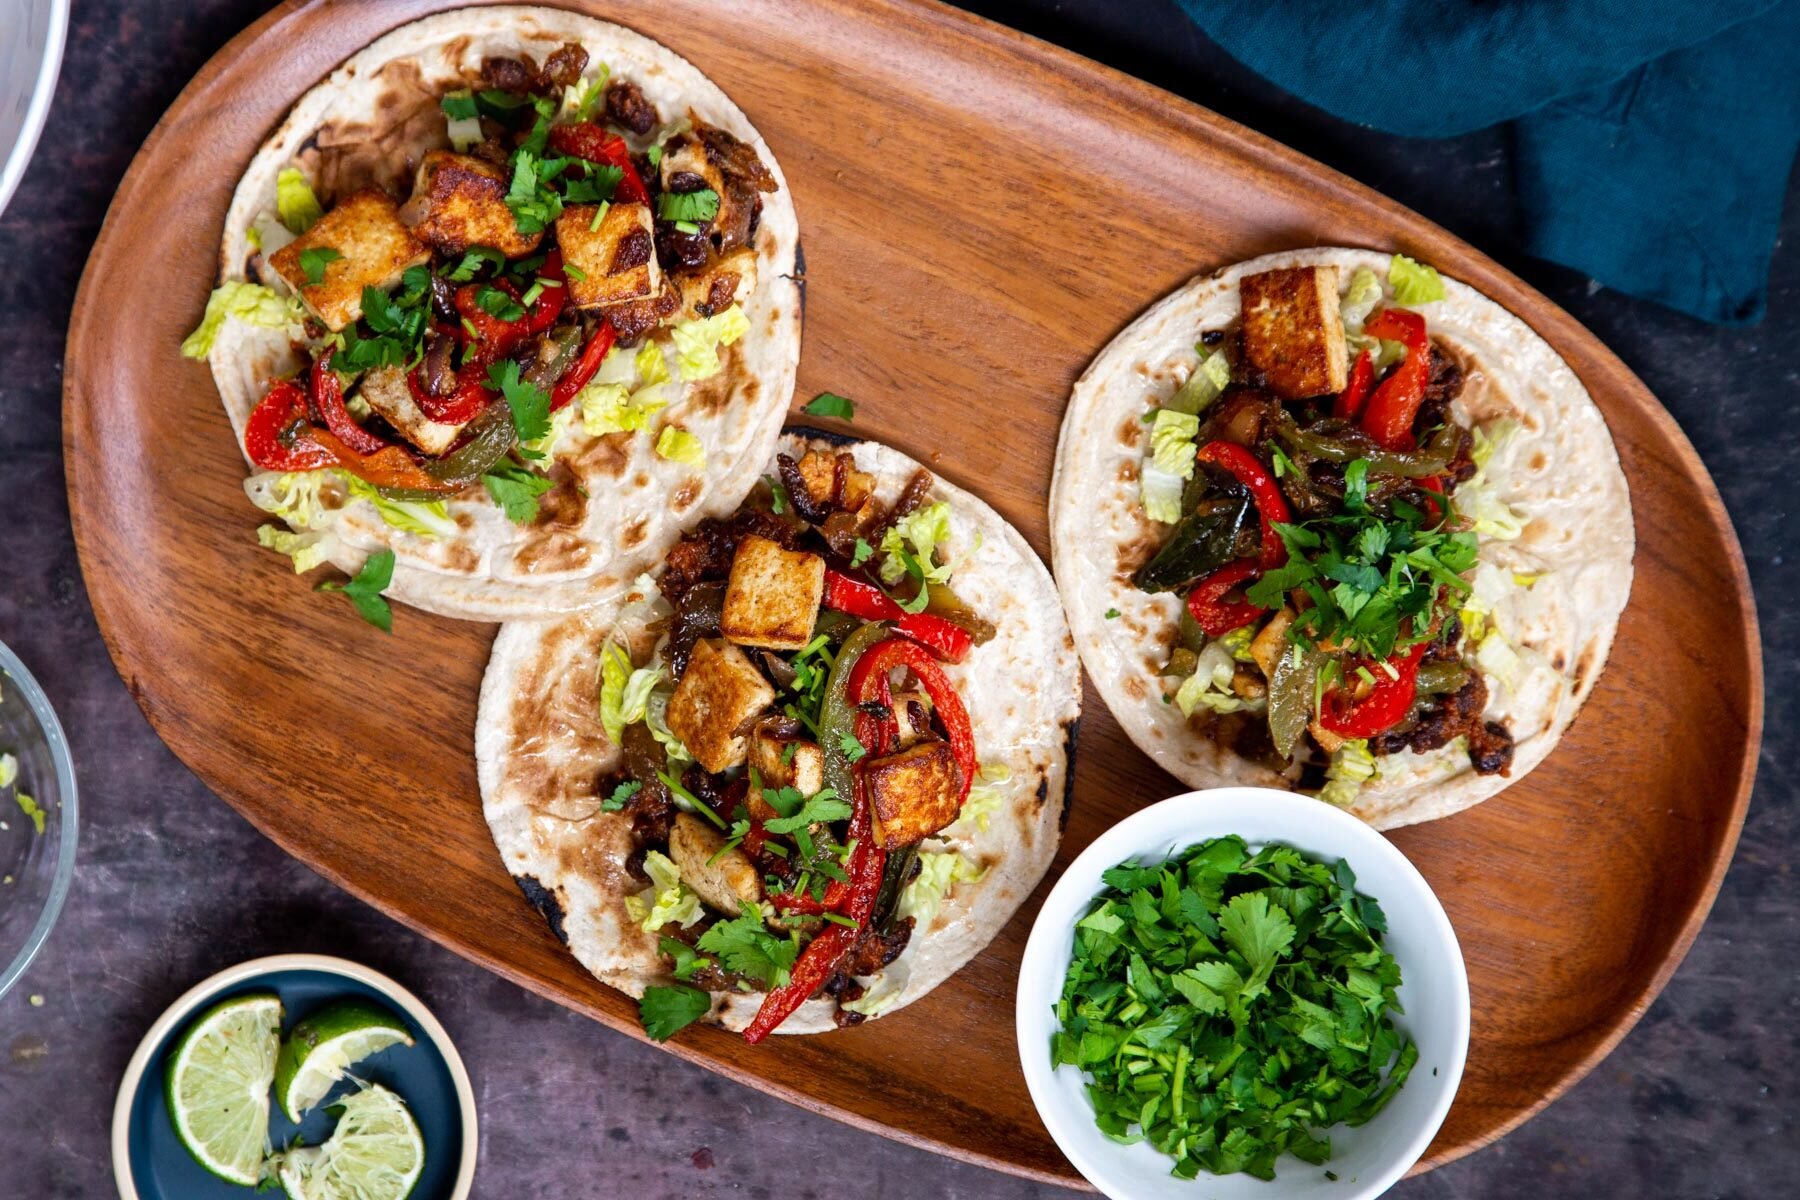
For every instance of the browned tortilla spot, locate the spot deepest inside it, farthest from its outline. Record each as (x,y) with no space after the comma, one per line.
(1557,660)
(460,558)
(563,506)
(554,552)
(1128,472)
(1538,461)
(1134,687)
(339,159)
(685,495)
(633,535)
(1131,431)
(604,456)
(1584,665)
(732,384)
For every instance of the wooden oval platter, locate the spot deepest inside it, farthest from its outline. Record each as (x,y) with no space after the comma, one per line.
(980,213)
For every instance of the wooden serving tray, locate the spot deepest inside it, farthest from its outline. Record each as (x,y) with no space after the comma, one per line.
(981,212)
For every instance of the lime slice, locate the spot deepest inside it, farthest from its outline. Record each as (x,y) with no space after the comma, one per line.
(321,1047)
(218,1085)
(375,1153)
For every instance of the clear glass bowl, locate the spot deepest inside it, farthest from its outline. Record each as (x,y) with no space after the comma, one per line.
(35,868)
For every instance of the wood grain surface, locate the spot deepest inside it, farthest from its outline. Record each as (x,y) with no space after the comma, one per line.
(980,213)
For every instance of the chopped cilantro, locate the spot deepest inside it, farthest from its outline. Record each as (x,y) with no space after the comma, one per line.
(797,813)
(473,260)
(516,490)
(667,1010)
(861,552)
(530,403)
(853,749)
(497,304)
(365,587)
(702,205)
(747,948)
(830,404)
(1112,614)
(624,792)
(1229,1008)
(313,262)
(686,961)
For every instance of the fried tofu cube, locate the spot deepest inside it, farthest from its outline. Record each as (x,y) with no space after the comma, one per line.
(376,249)
(459,201)
(387,392)
(772,598)
(1292,331)
(725,879)
(688,167)
(614,263)
(716,697)
(859,490)
(726,280)
(914,793)
(784,762)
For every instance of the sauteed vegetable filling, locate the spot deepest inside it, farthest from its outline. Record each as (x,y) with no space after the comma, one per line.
(1312,473)
(793,741)
(573,251)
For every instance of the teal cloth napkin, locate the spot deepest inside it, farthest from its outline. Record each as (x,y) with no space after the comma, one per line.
(1653,139)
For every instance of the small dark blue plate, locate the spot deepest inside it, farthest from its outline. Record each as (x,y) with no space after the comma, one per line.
(149,1161)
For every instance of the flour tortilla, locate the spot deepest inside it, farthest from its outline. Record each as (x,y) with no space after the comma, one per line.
(369,123)
(1559,472)
(540,751)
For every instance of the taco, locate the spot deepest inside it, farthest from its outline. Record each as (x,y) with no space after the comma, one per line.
(510,294)
(805,772)
(1325,520)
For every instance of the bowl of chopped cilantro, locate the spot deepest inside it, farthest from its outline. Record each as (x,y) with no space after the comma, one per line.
(37,818)
(1242,993)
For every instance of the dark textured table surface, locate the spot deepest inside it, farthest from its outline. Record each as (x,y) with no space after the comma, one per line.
(172,885)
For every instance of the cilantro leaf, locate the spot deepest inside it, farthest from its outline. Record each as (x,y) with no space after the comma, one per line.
(686,961)
(530,403)
(702,205)
(365,587)
(313,262)
(473,260)
(624,792)
(830,404)
(853,749)
(746,947)
(860,553)
(667,1010)
(820,809)
(516,490)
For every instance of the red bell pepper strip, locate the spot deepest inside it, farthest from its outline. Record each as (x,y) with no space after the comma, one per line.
(1395,404)
(328,406)
(1362,377)
(1385,706)
(1433,487)
(550,300)
(824,953)
(944,637)
(873,668)
(582,369)
(589,141)
(277,437)
(859,599)
(464,402)
(1207,603)
(1271,505)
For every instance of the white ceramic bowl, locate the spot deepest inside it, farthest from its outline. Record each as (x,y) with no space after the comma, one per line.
(1434,991)
(31,49)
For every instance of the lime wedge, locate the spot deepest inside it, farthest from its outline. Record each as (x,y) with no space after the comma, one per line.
(218,1085)
(375,1153)
(324,1045)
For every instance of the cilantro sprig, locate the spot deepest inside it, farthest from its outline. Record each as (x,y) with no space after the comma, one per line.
(1229,1008)
(1376,580)
(365,588)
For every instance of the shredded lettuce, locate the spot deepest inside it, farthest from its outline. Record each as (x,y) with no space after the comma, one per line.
(619,366)
(1210,684)
(426,518)
(1414,283)
(1498,660)
(295,201)
(986,796)
(1351,766)
(465,132)
(874,1002)
(1209,380)
(580,97)
(613,408)
(697,341)
(624,692)
(31,808)
(656,719)
(1360,299)
(251,303)
(307,550)
(924,530)
(678,445)
(9,770)
(304,499)
(666,900)
(939,871)
(1488,442)
(652,367)
(1170,465)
